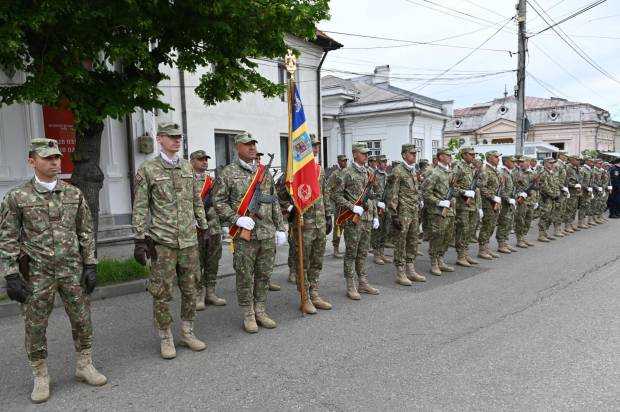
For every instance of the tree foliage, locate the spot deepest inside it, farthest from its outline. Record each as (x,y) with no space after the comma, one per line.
(105,57)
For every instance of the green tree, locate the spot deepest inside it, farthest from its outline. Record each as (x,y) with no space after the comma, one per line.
(102,58)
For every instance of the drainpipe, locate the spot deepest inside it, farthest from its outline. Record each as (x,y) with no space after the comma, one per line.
(130,154)
(342,136)
(183,112)
(319,111)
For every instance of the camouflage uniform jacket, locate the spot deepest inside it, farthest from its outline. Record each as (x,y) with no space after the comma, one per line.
(212,219)
(522,180)
(402,192)
(52,228)
(573,177)
(489,184)
(331,182)
(314,216)
(380,183)
(508,189)
(534,195)
(171,195)
(348,188)
(560,171)
(228,191)
(549,186)
(586,174)
(436,188)
(464,174)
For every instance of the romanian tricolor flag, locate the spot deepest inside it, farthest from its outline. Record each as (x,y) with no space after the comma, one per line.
(302,173)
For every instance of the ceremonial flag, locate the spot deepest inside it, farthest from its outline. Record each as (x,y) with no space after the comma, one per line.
(302,173)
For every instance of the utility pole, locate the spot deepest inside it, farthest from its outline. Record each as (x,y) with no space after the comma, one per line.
(520,87)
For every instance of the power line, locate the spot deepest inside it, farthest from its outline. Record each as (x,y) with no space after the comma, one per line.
(552,90)
(487,9)
(575,14)
(450,11)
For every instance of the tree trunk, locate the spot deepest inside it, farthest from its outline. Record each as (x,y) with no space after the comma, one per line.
(87,174)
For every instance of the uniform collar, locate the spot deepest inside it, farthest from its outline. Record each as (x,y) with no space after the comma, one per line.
(250,167)
(43,187)
(358,167)
(171,161)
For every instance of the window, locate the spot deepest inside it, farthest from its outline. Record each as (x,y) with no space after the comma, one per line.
(224,149)
(435,146)
(419,147)
(374,146)
(503,110)
(283,77)
(458,123)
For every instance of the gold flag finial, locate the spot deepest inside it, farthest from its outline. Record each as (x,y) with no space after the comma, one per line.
(290,61)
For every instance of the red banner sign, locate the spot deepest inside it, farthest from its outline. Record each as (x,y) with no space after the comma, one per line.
(59,125)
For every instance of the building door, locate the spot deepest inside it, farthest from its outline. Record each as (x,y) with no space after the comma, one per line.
(225,152)
(560,146)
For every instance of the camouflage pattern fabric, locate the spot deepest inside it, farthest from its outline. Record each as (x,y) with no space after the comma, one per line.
(253,263)
(562,204)
(337,231)
(522,180)
(573,177)
(489,184)
(171,196)
(549,193)
(505,220)
(585,201)
(465,210)
(174,266)
(210,258)
(378,236)
(357,243)
(436,188)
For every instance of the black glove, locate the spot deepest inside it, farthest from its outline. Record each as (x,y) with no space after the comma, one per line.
(208,202)
(16,288)
(203,238)
(89,278)
(396,223)
(328,224)
(141,251)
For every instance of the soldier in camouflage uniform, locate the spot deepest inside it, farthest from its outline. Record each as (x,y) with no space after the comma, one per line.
(465,182)
(440,203)
(549,196)
(534,211)
(49,222)
(585,201)
(561,169)
(505,220)
(165,190)
(347,189)
(426,216)
(317,224)
(342,164)
(403,202)
(378,236)
(599,192)
(253,260)
(209,258)
(604,194)
(573,181)
(490,189)
(477,165)
(523,184)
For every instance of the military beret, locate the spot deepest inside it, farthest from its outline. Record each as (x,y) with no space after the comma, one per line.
(360,147)
(408,148)
(199,154)
(492,153)
(467,149)
(244,138)
(444,151)
(45,147)
(342,157)
(169,128)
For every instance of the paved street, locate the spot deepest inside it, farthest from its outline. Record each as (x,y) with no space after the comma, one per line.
(535,330)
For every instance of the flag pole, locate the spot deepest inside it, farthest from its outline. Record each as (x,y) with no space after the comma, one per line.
(291,67)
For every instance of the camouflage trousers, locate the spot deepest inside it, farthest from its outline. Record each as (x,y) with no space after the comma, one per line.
(314,249)
(600,204)
(406,240)
(522,223)
(174,266)
(357,242)
(209,262)
(505,222)
(425,219)
(378,236)
(465,225)
(585,206)
(253,263)
(36,311)
(571,208)
(440,235)
(547,211)
(336,234)
(488,222)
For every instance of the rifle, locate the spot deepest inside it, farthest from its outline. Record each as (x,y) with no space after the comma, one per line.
(347,214)
(500,187)
(529,188)
(472,186)
(257,199)
(449,195)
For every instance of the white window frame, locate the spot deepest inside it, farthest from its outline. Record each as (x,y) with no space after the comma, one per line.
(374,145)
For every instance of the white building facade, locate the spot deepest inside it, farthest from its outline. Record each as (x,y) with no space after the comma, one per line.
(370,110)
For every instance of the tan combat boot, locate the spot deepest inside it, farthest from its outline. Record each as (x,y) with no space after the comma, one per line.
(212,299)
(521,243)
(377,258)
(249,320)
(581,224)
(461,260)
(575,226)
(274,287)
(337,253)
(262,318)
(86,372)
(385,258)
(352,292)
(435,267)
(200,299)
(490,252)
(308,307)
(413,274)
(401,279)
(471,260)
(317,300)
(557,231)
(527,242)
(483,253)
(443,266)
(364,287)
(292,278)
(166,344)
(41,388)
(512,248)
(568,229)
(503,248)
(188,338)
(542,237)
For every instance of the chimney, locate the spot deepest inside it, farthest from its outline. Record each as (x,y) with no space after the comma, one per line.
(382,75)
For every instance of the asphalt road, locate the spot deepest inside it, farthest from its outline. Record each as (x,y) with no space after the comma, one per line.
(535,330)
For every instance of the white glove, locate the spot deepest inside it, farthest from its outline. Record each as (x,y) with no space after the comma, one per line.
(535,206)
(225,230)
(470,193)
(600,189)
(444,203)
(280,238)
(568,195)
(375,223)
(512,202)
(358,210)
(577,186)
(589,189)
(381,205)
(245,222)
(609,188)
(288,209)
(497,199)
(564,188)
(523,195)
(422,202)
(480,213)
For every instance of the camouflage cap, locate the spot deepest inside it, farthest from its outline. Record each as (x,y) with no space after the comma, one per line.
(45,147)
(508,158)
(492,153)
(561,152)
(360,147)
(244,138)
(444,151)
(549,160)
(467,149)
(169,128)
(519,158)
(408,148)
(587,158)
(342,157)
(373,158)
(383,158)
(315,140)
(199,154)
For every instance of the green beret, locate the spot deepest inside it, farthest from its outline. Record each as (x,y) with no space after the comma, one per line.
(408,148)
(45,147)
(169,128)
(244,138)
(360,147)
(199,154)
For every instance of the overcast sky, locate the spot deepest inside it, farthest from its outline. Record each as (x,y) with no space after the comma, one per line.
(562,73)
